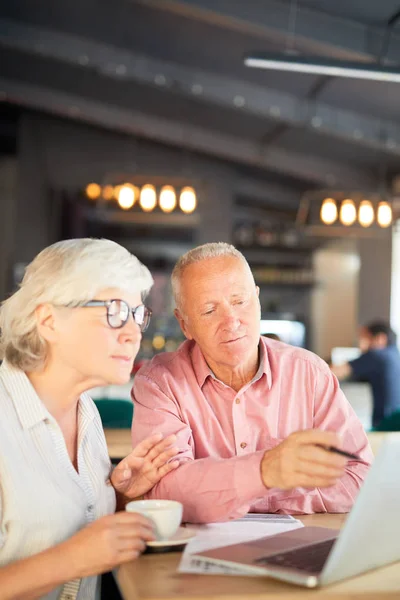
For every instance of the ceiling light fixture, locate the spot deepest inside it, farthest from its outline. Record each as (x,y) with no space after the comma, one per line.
(108,192)
(384,216)
(93,191)
(348,212)
(167,200)
(187,200)
(329,211)
(148,197)
(126,196)
(321,66)
(366,213)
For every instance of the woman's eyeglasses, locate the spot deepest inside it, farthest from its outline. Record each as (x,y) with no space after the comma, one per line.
(118,312)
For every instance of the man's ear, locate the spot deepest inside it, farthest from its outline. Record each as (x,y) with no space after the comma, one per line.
(257,291)
(45,322)
(183,324)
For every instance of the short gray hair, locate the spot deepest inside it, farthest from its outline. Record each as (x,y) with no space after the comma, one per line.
(195,255)
(68,273)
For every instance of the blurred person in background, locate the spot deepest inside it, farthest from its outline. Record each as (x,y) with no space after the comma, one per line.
(252,415)
(75,323)
(378,365)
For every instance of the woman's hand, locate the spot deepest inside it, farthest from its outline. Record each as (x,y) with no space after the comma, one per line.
(108,542)
(145,466)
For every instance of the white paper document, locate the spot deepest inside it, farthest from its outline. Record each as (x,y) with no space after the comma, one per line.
(268,518)
(215,535)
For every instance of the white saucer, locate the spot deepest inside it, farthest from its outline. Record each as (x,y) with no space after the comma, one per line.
(181,537)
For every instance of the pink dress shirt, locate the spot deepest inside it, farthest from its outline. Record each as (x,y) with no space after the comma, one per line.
(223,434)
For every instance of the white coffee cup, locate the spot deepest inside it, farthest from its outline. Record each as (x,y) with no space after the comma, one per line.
(165,514)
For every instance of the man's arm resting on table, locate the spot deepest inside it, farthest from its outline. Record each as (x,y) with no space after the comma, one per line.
(220,489)
(212,489)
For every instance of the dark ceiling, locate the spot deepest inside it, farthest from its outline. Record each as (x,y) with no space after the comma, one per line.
(178,65)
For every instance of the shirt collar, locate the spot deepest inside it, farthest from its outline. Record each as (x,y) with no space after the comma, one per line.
(200,367)
(265,366)
(202,370)
(29,408)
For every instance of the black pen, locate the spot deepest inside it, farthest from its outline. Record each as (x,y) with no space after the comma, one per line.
(341,452)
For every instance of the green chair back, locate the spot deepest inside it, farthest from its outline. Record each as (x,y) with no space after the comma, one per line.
(391,423)
(115,414)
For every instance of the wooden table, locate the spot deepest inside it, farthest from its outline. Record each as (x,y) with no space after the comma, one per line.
(120,445)
(119,442)
(155,577)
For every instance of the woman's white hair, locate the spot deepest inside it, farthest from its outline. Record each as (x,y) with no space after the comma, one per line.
(68,273)
(200,253)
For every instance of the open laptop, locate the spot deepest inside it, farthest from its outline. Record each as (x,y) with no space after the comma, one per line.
(313,556)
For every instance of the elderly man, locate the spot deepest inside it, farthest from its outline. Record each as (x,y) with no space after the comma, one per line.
(253,417)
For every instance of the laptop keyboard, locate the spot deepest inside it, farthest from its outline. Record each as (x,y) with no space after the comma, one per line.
(307,558)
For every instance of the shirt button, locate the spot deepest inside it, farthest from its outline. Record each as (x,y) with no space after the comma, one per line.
(90,507)
(243,445)
(237,400)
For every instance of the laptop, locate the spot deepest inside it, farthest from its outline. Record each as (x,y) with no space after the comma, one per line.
(315,556)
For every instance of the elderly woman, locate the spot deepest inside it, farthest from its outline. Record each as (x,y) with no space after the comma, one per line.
(75,323)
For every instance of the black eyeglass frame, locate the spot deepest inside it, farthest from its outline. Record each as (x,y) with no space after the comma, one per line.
(143,325)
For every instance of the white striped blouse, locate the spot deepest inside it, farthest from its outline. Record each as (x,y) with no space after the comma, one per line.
(43,499)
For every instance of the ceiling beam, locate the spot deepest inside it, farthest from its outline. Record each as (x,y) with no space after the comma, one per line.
(239,95)
(268,193)
(311,170)
(316,31)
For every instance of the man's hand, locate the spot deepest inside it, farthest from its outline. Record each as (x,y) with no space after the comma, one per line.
(299,461)
(145,466)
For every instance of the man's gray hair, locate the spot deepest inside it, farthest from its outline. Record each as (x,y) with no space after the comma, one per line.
(68,273)
(198,254)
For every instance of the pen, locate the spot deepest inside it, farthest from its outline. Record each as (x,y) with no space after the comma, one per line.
(341,452)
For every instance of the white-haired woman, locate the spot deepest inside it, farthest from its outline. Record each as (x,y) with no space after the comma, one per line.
(75,323)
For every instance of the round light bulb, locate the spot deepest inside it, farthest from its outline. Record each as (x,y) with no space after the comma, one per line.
(167,200)
(158,342)
(116,191)
(365,213)
(148,197)
(329,211)
(126,196)
(108,192)
(187,200)
(93,191)
(348,213)
(384,216)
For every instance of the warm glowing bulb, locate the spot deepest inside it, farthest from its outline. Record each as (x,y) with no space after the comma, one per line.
(328,211)
(187,200)
(348,213)
(167,200)
(116,191)
(126,196)
(93,191)
(108,192)
(365,213)
(158,342)
(384,216)
(148,197)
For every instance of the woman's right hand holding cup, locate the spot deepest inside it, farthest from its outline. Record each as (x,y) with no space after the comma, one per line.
(109,542)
